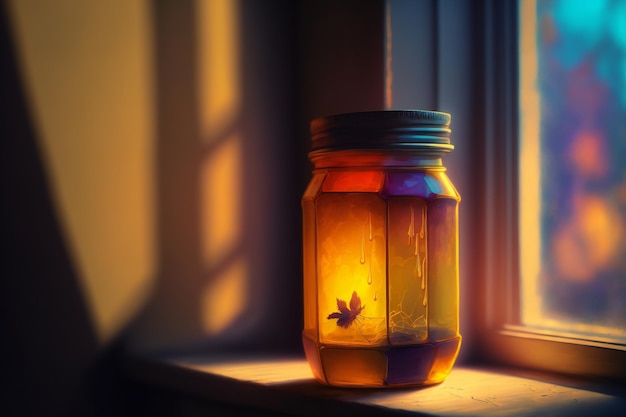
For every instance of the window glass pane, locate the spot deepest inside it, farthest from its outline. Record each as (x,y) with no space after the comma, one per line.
(572,200)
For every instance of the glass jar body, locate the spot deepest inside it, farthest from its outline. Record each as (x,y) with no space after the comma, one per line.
(381,294)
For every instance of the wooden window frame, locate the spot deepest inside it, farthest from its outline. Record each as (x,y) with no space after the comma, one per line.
(501,337)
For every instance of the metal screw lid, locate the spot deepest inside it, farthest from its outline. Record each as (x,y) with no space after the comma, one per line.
(379,130)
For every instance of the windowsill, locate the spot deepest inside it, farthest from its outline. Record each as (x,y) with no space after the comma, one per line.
(286,386)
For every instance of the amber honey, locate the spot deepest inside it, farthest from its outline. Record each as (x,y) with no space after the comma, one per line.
(413,364)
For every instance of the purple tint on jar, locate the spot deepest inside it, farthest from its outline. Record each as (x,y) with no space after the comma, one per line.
(412,184)
(410,364)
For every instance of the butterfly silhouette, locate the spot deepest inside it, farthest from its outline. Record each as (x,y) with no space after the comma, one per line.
(345,316)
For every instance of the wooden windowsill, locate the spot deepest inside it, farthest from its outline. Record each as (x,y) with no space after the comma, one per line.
(286,386)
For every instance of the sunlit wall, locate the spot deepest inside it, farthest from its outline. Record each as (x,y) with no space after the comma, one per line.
(89,93)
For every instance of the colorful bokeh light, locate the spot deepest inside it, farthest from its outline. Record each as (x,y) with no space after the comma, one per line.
(573,165)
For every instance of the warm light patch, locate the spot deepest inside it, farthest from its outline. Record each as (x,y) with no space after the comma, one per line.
(224,297)
(269,372)
(219,67)
(589,241)
(221,201)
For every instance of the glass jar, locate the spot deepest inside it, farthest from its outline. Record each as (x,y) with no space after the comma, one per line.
(381,263)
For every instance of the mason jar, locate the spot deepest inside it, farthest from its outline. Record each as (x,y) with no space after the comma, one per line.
(381,250)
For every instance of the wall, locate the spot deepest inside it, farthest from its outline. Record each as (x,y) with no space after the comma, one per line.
(153,176)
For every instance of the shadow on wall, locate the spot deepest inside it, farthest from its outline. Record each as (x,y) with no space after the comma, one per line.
(47,338)
(228,245)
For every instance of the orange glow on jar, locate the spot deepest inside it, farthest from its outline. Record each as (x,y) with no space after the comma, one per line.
(380,217)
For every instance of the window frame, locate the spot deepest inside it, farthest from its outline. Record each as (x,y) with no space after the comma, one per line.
(502,338)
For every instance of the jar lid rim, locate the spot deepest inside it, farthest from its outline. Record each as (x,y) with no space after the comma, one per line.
(381,129)
(395,117)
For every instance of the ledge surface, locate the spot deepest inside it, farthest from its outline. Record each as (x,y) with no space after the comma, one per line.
(285,385)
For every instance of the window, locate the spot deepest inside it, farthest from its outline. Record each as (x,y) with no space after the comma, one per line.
(573,163)
(555,200)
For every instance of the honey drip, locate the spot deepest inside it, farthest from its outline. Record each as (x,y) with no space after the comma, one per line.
(411,231)
(362,260)
(418,266)
(424,284)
